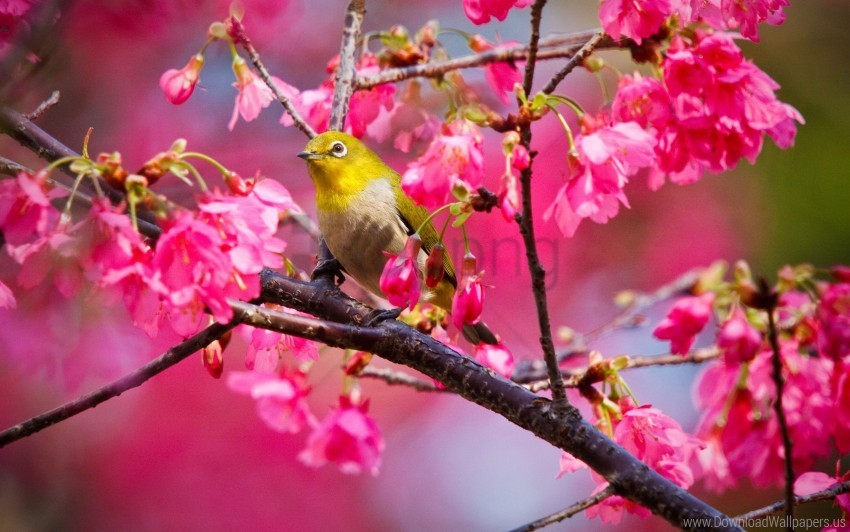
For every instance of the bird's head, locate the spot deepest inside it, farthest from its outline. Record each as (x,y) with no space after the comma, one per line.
(340,163)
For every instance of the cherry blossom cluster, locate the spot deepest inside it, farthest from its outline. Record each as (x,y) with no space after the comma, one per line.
(200,259)
(738,435)
(641,19)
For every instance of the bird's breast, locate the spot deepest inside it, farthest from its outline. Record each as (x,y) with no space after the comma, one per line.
(358,235)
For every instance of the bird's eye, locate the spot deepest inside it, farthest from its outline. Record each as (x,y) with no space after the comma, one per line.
(338,149)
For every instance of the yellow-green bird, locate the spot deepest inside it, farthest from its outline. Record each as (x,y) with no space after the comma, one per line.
(363,212)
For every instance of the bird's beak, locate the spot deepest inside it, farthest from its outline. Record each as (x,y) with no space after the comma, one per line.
(309,155)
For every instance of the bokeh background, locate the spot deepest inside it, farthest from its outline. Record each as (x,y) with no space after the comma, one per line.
(183,452)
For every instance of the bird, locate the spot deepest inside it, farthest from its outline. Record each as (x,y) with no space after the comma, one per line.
(363,213)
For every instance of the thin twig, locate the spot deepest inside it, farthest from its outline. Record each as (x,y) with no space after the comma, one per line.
(640,301)
(574,61)
(116,388)
(533,41)
(526,227)
(566,513)
(347,70)
(242,38)
(823,495)
(534,377)
(398,378)
(9,167)
(44,106)
(779,381)
(552,48)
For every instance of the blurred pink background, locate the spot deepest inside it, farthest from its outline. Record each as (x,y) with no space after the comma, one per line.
(183,452)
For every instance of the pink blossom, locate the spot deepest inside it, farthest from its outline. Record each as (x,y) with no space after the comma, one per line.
(569,464)
(454,156)
(659,442)
(247,227)
(253,94)
(265,348)
(53,255)
(496,357)
(281,398)
(501,75)
(723,106)
(195,272)
(833,312)
(400,281)
(684,321)
(812,482)
(742,419)
(468,301)
(604,161)
(739,340)
(347,437)
(367,104)
(636,19)
(178,85)
(746,15)
(480,11)
(314,106)
(25,209)
(842,406)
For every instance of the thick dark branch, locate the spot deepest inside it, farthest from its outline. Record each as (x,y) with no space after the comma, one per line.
(823,495)
(574,61)
(347,69)
(551,48)
(563,427)
(526,228)
(242,38)
(116,388)
(566,513)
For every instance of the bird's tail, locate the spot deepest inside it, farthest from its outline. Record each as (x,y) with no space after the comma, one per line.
(479,332)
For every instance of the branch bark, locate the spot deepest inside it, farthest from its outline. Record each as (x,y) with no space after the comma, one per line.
(347,70)
(526,228)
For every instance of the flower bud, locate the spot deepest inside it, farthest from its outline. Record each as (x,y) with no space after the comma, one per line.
(468,300)
(435,266)
(400,277)
(178,85)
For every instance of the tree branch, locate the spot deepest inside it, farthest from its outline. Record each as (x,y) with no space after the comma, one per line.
(402,344)
(550,48)
(577,59)
(240,36)
(398,378)
(526,228)
(116,388)
(562,427)
(566,513)
(347,70)
(823,495)
(779,382)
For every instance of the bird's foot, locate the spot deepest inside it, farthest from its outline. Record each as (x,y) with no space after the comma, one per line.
(329,268)
(379,315)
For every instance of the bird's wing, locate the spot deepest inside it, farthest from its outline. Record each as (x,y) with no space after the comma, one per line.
(412,221)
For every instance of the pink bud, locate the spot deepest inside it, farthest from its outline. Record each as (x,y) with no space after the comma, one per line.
(434,266)
(520,159)
(213,359)
(400,278)
(178,85)
(239,186)
(739,340)
(468,301)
